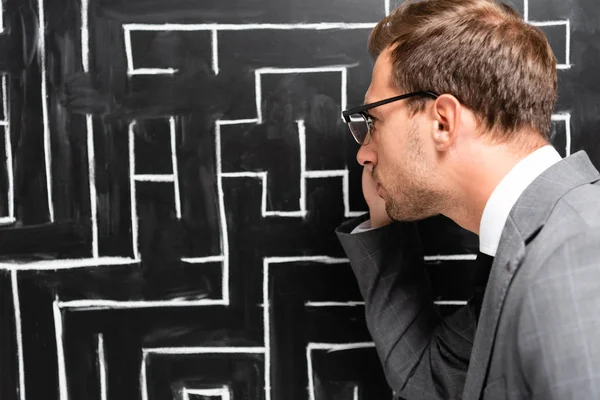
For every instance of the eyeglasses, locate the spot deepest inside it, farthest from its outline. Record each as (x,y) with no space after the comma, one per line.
(361,123)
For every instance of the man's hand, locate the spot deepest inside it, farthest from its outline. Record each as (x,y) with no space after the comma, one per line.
(379,216)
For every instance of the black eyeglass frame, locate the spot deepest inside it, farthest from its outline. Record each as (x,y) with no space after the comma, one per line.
(362,110)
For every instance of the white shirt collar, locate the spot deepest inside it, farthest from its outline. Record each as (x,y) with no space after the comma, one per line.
(507,193)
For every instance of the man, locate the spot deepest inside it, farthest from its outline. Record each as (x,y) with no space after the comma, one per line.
(457,123)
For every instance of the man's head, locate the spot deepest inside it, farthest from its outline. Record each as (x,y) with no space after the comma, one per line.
(496,77)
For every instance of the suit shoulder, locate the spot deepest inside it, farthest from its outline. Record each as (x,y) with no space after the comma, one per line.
(583,203)
(579,251)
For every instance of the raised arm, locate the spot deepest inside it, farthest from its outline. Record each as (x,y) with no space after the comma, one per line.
(424,356)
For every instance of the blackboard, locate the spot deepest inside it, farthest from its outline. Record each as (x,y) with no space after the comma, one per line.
(173,175)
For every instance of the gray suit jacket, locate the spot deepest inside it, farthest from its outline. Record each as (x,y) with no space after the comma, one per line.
(538,336)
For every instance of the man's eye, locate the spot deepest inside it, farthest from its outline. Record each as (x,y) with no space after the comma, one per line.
(371,124)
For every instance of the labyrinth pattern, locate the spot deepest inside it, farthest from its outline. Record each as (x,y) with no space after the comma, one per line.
(182,167)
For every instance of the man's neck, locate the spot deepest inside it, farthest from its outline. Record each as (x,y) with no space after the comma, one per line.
(477,177)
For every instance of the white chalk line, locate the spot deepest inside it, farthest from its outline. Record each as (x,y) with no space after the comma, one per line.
(321,174)
(561,117)
(132,194)
(128,51)
(102,368)
(222,217)
(306,70)
(152,71)
(65,263)
(302,148)
(549,23)
(58,330)
(172,133)
(203,260)
(344,93)
(451,302)
(451,257)
(566,119)
(237,121)
(158,178)
(320,304)
(334,303)
(88,305)
(45,118)
(258,96)
(203,350)
(8,149)
(568,44)
(92,179)
(85,36)
(259,175)
(247,27)
(7,220)
(18,333)
(215,51)
(335,347)
(143,377)
(313,259)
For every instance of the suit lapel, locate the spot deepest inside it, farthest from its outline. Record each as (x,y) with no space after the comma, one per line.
(509,256)
(526,218)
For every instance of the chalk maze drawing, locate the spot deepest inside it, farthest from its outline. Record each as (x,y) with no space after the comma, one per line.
(228,281)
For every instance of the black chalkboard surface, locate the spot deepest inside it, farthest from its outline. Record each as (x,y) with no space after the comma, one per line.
(173,174)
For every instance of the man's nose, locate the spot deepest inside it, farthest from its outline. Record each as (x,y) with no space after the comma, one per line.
(366,155)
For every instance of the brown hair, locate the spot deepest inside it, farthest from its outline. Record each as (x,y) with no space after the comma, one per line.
(480,51)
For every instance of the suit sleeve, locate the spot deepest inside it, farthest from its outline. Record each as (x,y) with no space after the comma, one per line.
(424,356)
(559,329)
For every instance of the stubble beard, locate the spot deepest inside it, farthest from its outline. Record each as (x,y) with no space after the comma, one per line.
(414,205)
(410,197)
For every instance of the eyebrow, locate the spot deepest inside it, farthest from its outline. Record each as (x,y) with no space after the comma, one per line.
(365,100)
(370,111)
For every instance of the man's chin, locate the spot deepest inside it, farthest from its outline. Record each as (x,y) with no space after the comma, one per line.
(402,213)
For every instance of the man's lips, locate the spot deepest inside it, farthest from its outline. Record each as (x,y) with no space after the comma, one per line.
(378,186)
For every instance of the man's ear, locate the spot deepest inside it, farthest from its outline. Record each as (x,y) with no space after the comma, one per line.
(446,113)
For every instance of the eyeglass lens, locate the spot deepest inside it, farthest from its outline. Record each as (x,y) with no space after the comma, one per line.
(359,127)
